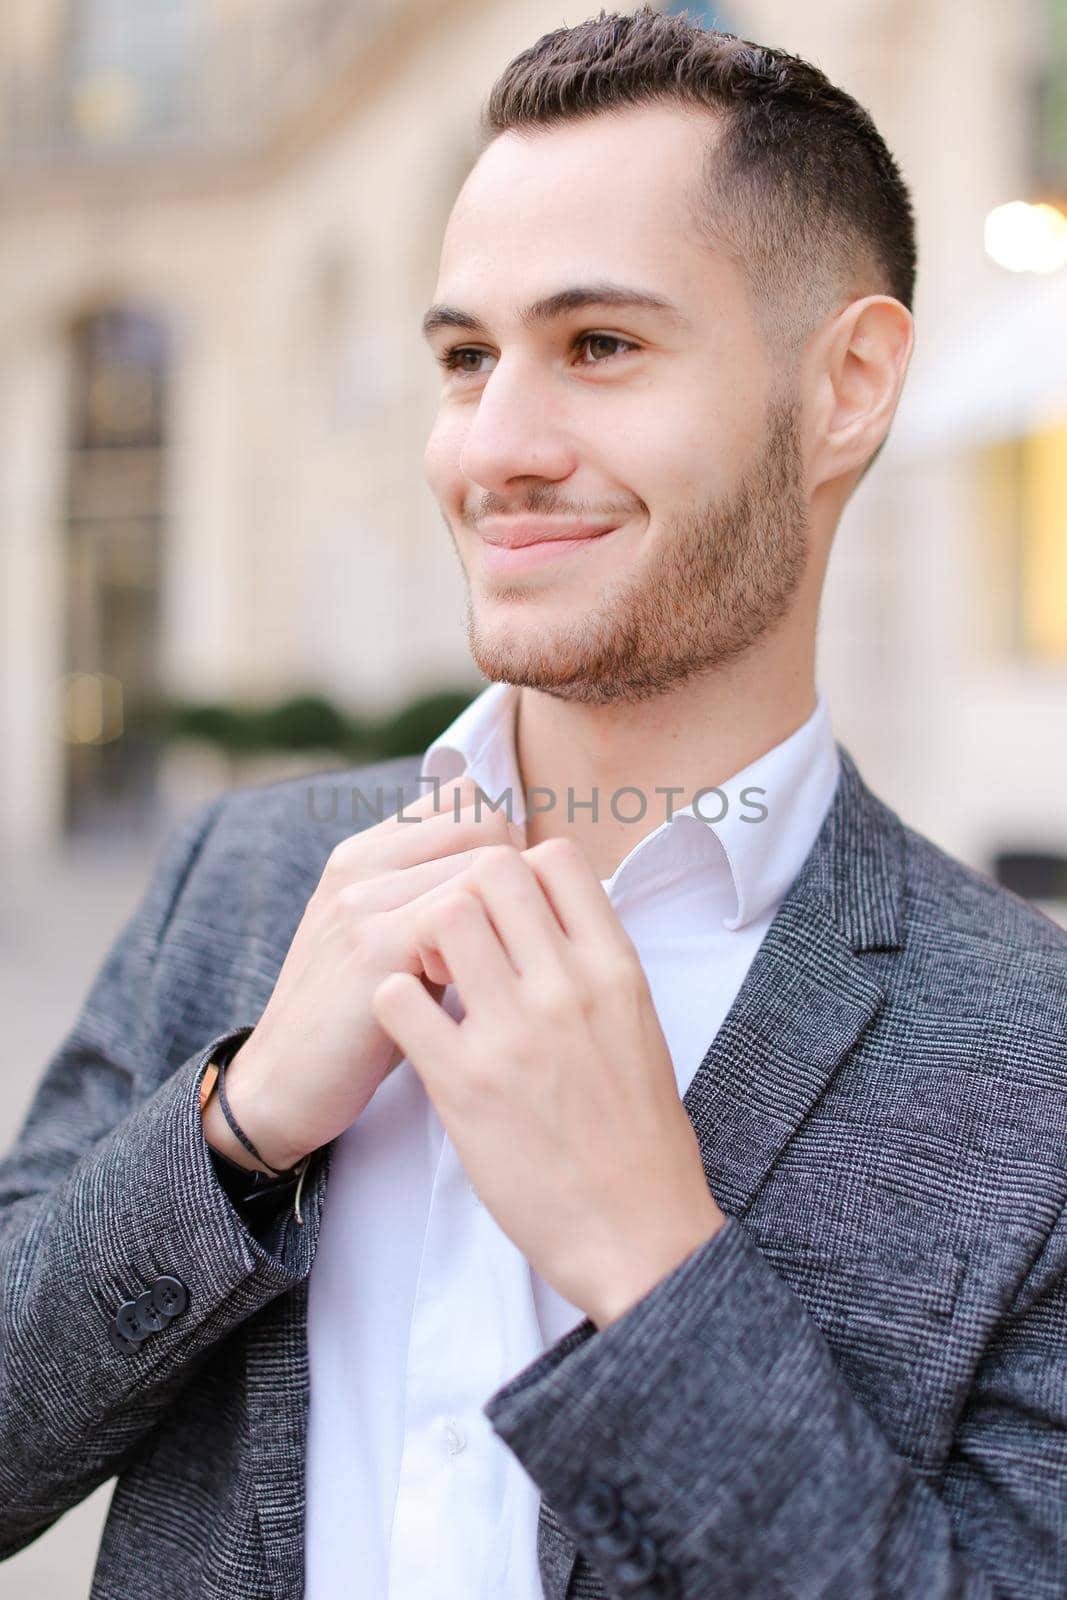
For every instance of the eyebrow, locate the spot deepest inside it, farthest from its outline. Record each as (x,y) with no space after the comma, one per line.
(552,306)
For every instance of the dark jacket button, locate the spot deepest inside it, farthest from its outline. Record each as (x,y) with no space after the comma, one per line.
(636,1570)
(148,1318)
(128,1322)
(621,1539)
(126,1347)
(598,1507)
(169,1296)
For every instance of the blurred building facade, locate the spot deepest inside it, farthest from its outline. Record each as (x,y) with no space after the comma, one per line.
(222,220)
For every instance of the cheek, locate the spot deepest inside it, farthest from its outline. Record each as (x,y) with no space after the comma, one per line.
(702,448)
(670,467)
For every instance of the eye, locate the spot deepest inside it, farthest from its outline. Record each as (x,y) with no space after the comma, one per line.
(452,359)
(603,338)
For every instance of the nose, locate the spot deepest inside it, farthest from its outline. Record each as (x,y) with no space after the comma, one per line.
(517,430)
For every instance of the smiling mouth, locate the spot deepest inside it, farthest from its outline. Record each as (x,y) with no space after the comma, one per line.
(519,558)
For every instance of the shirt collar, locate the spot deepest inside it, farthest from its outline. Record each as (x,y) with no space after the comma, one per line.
(793,783)
(481,743)
(798,777)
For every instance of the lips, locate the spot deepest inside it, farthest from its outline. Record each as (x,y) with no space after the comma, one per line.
(520,557)
(521,534)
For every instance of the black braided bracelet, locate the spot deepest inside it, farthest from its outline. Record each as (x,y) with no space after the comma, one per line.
(238,1134)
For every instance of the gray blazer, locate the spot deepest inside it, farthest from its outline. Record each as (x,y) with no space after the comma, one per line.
(858,1389)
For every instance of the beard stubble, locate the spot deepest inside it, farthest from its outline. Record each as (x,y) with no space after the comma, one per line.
(723,576)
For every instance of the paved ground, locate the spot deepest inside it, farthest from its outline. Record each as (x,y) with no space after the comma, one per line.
(57,920)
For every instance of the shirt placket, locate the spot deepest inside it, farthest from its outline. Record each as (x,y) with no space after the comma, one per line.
(464,1525)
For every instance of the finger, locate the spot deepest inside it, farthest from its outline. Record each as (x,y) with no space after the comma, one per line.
(417,1025)
(525,922)
(435,797)
(426,836)
(440,798)
(461,796)
(575,893)
(447,834)
(457,928)
(404,896)
(448,797)
(404,885)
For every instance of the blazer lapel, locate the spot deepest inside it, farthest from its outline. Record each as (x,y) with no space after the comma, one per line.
(802,1007)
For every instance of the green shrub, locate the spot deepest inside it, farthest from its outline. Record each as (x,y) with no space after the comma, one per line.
(415,726)
(310,722)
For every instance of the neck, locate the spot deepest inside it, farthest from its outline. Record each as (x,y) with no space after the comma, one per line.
(696,737)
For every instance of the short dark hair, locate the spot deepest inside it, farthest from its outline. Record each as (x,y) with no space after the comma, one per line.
(798,184)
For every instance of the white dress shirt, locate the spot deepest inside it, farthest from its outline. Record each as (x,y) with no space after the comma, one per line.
(420,1306)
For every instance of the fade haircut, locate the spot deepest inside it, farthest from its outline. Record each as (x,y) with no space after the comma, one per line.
(797,183)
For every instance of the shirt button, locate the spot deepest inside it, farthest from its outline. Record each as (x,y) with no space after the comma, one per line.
(455,1438)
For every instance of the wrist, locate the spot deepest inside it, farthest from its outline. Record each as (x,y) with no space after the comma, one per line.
(245,1108)
(613,1302)
(219,1136)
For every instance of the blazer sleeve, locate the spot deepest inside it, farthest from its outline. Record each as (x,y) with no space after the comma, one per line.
(705,1445)
(108,1189)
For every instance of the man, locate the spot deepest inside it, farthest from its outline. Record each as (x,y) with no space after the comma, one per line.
(695,1221)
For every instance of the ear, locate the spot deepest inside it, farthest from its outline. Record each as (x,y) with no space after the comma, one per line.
(861,361)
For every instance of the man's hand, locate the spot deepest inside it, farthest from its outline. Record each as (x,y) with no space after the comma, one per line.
(317,1055)
(557,1087)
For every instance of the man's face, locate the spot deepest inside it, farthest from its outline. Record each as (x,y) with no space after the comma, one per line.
(667,428)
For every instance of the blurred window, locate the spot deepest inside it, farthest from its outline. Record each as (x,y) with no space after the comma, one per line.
(130,62)
(120,360)
(116,490)
(1024,497)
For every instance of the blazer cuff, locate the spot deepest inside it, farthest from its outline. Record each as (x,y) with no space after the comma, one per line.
(677,1441)
(159,1210)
